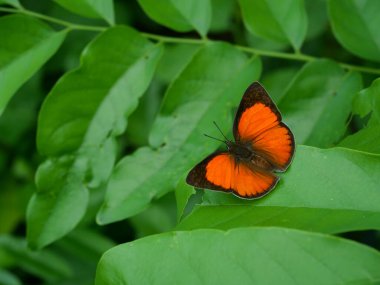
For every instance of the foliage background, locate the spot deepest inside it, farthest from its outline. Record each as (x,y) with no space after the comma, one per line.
(103,109)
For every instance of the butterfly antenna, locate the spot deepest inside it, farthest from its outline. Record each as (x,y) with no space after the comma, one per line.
(214,138)
(220,131)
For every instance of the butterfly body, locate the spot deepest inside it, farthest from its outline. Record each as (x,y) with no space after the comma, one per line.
(263,145)
(243,153)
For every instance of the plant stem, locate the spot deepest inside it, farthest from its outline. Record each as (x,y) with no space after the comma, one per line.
(258,52)
(54,20)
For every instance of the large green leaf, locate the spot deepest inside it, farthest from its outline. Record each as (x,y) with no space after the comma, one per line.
(209,86)
(240,256)
(180,15)
(318,102)
(90,8)
(333,190)
(78,121)
(282,21)
(25,45)
(356,26)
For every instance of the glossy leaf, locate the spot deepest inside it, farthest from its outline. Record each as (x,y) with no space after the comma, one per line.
(333,190)
(309,106)
(281,21)
(180,15)
(81,116)
(356,26)
(208,87)
(26,44)
(90,8)
(269,256)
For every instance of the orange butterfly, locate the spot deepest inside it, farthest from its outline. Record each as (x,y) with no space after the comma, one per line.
(263,144)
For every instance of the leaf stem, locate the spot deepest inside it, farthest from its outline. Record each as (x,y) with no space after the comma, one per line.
(54,20)
(274,54)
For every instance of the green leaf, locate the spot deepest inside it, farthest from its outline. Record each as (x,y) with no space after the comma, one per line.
(222,15)
(183,192)
(317,18)
(269,256)
(78,122)
(356,24)
(25,46)
(275,82)
(368,101)
(208,87)
(281,21)
(318,102)
(334,190)
(90,8)
(174,60)
(85,244)
(366,140)
(22,108)
(14,3)
(7,278)
(59,202)
(158,218)
(180,15)
(44,264)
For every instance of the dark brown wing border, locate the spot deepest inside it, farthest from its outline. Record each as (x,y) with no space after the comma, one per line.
(255,93)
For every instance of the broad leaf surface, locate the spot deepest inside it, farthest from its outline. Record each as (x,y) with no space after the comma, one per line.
(310,107)
(356,26)
(240,256)
(25,45)
(282,21)
(180,15)
(90,8)
(206,90)
(333,190)
(83,113)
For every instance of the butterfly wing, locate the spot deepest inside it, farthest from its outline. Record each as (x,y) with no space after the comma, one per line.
(259,121)
(220,171)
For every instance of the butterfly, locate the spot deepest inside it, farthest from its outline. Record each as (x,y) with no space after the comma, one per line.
(263,145)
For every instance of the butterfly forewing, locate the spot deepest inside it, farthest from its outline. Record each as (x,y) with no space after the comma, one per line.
(258,121)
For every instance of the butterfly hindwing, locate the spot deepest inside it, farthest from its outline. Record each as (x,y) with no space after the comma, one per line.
(258,121)
(220,171)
